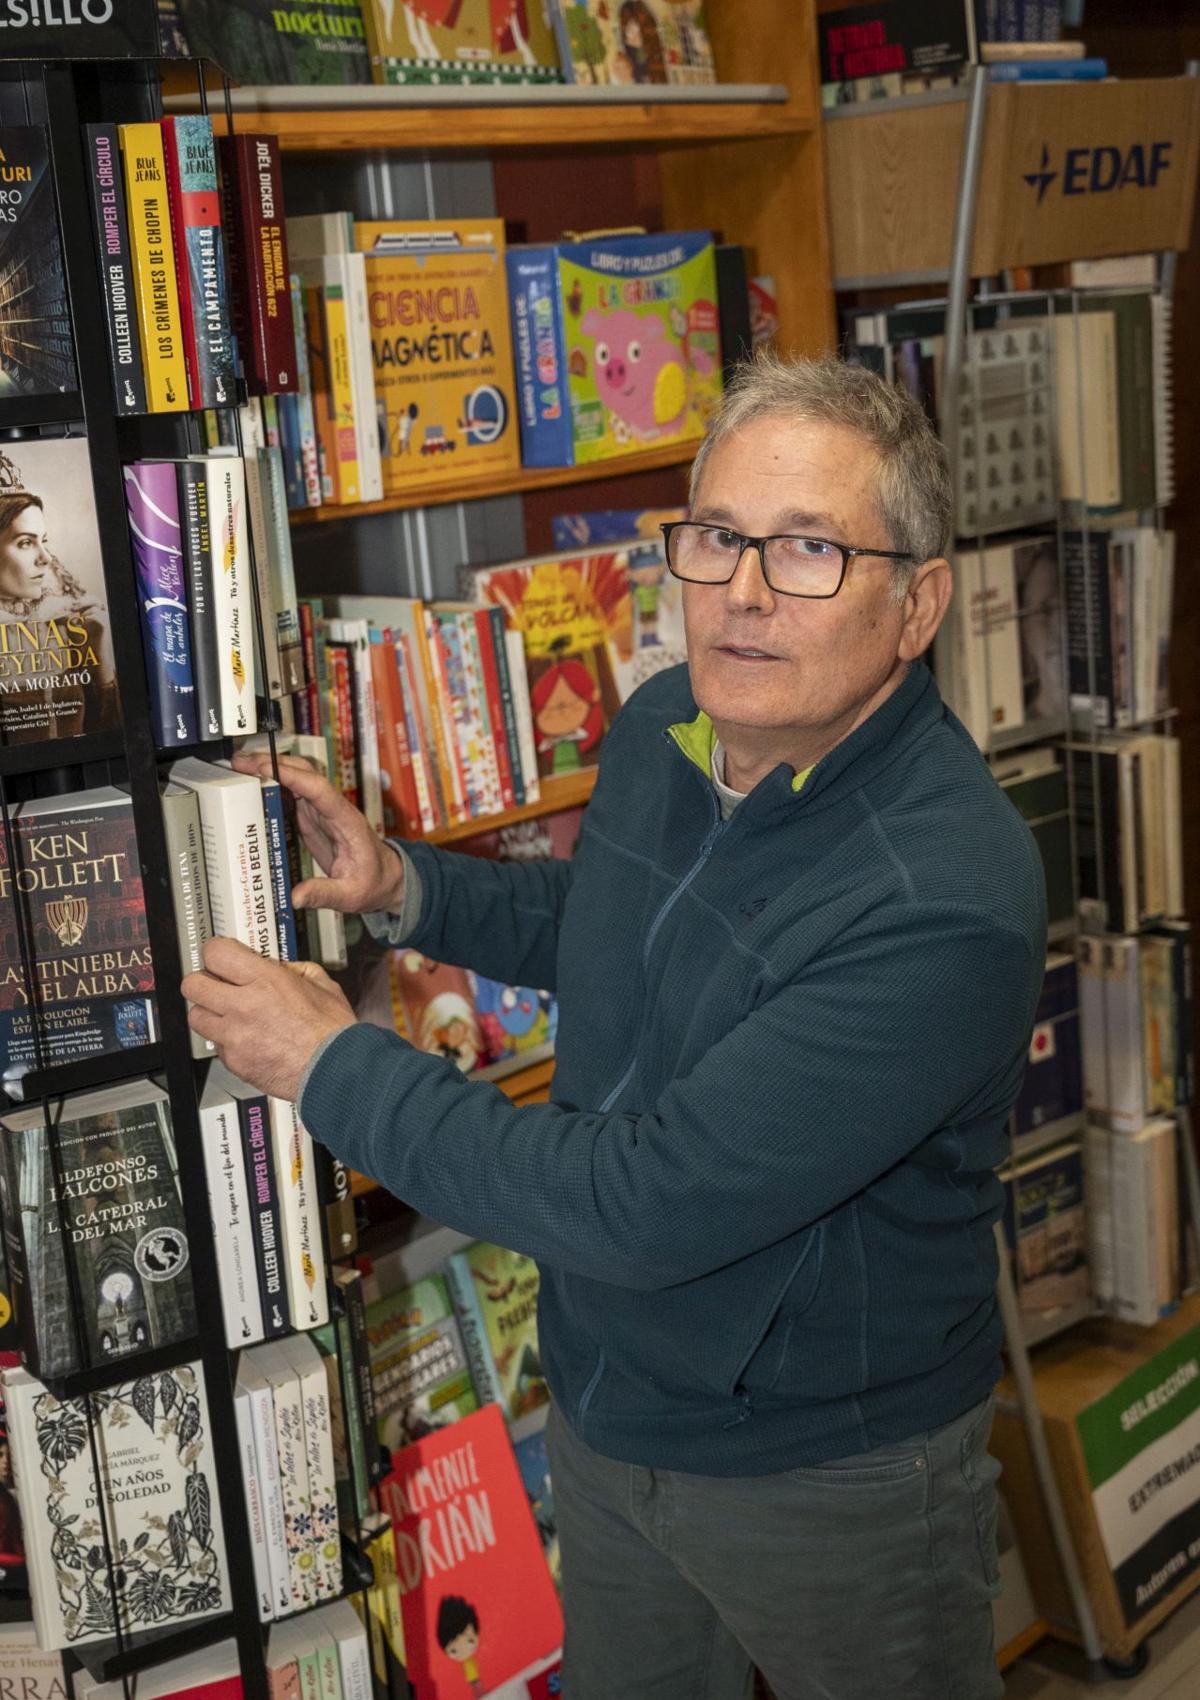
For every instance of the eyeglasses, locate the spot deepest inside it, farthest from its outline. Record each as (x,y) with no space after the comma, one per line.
(792,566)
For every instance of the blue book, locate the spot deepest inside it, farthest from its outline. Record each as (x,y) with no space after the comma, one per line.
(152,502)
(281,883)
(1049,71)
(1053,1084)
(540,356)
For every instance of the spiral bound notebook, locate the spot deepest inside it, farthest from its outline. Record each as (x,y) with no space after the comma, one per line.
(1164,399)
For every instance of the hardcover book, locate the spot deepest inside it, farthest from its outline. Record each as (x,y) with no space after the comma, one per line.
(893,48)
(461,41)
(160,1500)
(418,1366)
(115,261)
(1053,1085)
(57,677)
(646,41)
(477,1600)
(127,1237)
(152,508)
(78,878)
(203,282)
(495,1300)
(311,41)
(37,349)
(252,199)
(1045,1228)
(160,328)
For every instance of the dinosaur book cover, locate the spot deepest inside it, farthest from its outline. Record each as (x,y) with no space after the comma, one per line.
(617,345)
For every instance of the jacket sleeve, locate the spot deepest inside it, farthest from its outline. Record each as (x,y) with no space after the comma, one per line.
(831,1081)
(499,918)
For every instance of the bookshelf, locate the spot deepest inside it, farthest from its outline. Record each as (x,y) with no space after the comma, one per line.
(568,791)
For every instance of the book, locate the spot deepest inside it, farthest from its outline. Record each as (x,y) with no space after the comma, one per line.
(204,303)
(318,41)
(1037,787)
(232,592)
(870,52)
(78,879)
(1052,1088)
(659,41)
(189,885)
(309,1366)
(152,509)
(1045,1229)
(529,1448)
(156,1470)
(233,823)
(610,525)
(495,1301)
(381,1608)
(349,1285)
(214,1673)
(57,676)
(1133,1219)
(1089,409)
(347,1436)
(277,857)
(288,1406)
(330,237)
(37,349)
(617,344)
(255,1414)
(419,1369)
(196,541)
(302,1253)
(120,1233)
(441,349)
(327,334)
(341,1621)
(230,1207)
(455,44)
(252,207)
(978,648)
(1110,1023)
(114,260)
(1049,71)
(31,1673)
(264,1187)
(160,328)
(477,1599)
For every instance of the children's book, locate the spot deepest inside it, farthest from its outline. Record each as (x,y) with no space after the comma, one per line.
(495,1299)
(634,41)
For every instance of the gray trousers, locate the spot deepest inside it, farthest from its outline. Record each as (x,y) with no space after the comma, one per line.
(866,1578)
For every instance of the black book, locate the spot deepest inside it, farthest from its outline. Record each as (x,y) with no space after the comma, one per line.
(349,1283)
(336,1200)
(197,566)
(265,1212)
(37,346)
(733,307)
(113,258)
(1090,670)
(1103,830)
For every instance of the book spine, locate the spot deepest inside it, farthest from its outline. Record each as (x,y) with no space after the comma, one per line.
(255,1509)
(229,1202)
(473,1329)
(152,508)
(354,1660)
(362,377)
(283,569)
(116,268)
(344,434)
(191,166)
(197,562)
(323,419)
(483,731)
(322,1482)
(1089,627)
(265,1216)
(409,756)
(328,1670)
(365,724)
(232,614)
(293,1478)
(543,403)
(356,1319)
(303,1258)
(277,857)
(334,1195)
(359,1446)
(308,650)
(153,252)
(270,1485)
(252,184)
(489,666)
(309,463)
(395,763)
(428,808)
(441,705)
(508,711)
(514,646)
(189,887)
(261,540)
(20,1289)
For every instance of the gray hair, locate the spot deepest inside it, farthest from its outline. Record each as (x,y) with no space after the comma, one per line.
(915,496)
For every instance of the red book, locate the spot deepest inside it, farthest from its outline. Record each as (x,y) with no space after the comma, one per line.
(432,810)
(308,648)
(546,1684)
(341,693)
(495,703)
(252,189)
(400,811)
(200,269)
(478,1602)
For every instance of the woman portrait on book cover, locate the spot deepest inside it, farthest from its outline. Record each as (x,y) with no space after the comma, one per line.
(56,665)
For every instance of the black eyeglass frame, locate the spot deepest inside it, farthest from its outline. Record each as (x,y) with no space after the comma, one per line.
(760,544)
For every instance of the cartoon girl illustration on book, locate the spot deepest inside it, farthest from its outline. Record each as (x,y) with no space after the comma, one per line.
(567,716)
(458,1637)
(54,640)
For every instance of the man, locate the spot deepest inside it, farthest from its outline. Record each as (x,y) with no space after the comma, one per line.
(797,956)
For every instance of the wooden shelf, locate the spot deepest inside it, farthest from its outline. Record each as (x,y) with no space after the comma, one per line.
(433,127)
(569,791)
(481,485)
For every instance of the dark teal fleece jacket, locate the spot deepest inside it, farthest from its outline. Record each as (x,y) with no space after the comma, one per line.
(762,1196)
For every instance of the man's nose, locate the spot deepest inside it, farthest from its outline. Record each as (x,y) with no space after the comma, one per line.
(748,588)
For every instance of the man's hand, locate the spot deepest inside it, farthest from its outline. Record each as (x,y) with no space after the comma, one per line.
(363,873)
(265,1018)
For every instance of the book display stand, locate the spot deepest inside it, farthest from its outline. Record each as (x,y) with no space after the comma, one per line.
(979,226)
(64,95)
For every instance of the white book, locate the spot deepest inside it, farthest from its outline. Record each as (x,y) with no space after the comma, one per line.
(1172,825)
(1122,271)
(148,1430)
(309,1365)
(1131,1212)
(235,852)
(252,1387)
(1089,449)
(342,1622)
(514,648)
(362,378)
(229,1204)
(300,1215)
(260,539)
(255,1511)
(1110,1030)
(981,639)
(288,1408)
(189,885)
(232,593)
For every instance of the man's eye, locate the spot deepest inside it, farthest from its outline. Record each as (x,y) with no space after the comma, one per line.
(809,548)
(724,539)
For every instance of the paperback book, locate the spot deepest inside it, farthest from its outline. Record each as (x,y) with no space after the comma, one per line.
(125,1242)
(203,283)
(78,880)
(37,349)
(152,509)
(309,41)
(651,41)
(115,262)
(57,677)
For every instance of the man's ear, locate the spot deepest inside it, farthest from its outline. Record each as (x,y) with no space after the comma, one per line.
(925,606)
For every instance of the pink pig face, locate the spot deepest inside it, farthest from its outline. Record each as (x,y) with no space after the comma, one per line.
(640,374)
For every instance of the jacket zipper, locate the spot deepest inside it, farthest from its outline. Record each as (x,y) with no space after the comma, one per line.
(586,1397)
(705,851)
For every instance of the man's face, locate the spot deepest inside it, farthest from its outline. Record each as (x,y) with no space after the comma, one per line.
(771,662)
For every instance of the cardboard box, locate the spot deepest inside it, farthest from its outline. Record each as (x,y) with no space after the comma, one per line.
(617,345)
(1121,1409)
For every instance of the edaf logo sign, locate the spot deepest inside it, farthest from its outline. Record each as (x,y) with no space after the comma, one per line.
(1096,170)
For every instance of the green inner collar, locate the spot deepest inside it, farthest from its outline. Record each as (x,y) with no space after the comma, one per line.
(696,739)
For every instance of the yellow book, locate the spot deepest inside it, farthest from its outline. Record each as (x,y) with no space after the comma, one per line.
(341,393)
(160,327)
(437,295)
